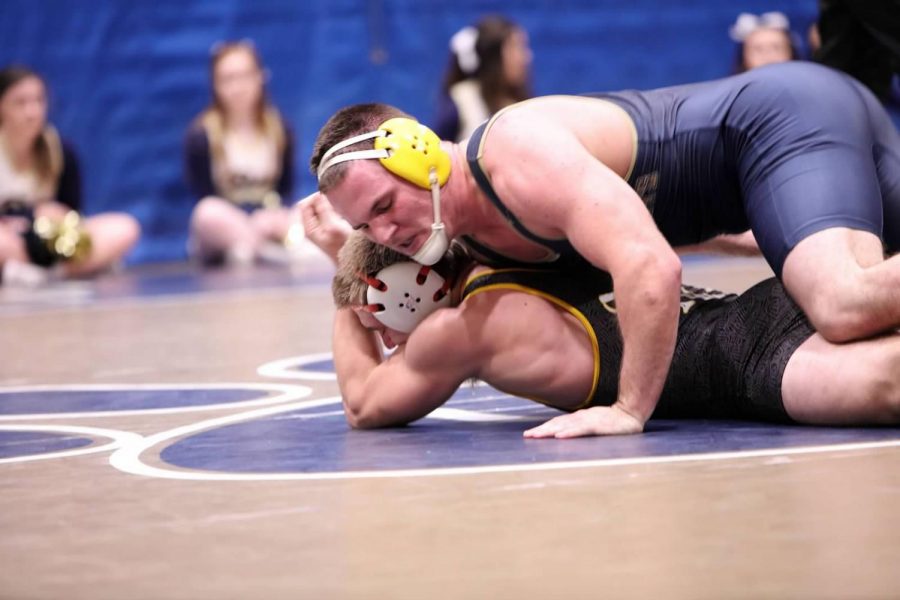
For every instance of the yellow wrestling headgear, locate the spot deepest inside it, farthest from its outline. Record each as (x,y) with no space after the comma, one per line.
(412,152)
(405,147)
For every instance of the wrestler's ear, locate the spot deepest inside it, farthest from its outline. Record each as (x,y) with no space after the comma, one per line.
(367,308)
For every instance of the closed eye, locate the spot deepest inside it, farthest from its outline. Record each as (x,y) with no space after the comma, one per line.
(379,208)
(382,207)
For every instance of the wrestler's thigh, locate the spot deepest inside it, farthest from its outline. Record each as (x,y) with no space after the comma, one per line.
(843,384)
(886,154)
(891,194)
(834,187)
(887,163)
(828,265)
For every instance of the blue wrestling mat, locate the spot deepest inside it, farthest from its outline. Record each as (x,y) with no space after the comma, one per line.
(29,443)
(76,400)
(479,427)
(316,366)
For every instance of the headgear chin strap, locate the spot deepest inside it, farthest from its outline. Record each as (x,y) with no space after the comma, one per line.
(402,295)
(437,243)
(413,152)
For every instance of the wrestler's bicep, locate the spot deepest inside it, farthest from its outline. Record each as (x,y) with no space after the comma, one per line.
(420,376)
(409,392)
(611,225)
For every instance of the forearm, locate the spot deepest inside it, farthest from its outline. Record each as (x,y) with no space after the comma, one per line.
(648,318)
(383,392)
(357,354)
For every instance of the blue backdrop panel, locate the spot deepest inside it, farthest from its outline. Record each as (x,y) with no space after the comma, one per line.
(128,77)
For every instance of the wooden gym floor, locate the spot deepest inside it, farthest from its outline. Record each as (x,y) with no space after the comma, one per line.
(167,433)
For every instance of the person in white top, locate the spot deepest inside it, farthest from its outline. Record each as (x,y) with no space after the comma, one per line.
(40,194)
(762,40)
(239,156)
(490,68)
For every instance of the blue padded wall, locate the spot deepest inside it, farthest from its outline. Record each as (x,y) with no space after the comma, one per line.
(126,78)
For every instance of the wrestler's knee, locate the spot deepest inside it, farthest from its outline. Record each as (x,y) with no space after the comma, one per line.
(827,275)
(836,316)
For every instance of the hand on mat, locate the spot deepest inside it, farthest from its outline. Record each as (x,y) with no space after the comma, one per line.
(322,225)
(597,420)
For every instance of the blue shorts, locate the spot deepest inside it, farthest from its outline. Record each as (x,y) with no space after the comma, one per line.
(786,150)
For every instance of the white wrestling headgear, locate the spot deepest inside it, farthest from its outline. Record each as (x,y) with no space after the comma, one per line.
(413,152)
(402,295)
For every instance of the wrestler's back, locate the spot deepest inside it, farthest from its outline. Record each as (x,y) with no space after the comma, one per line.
(604,129)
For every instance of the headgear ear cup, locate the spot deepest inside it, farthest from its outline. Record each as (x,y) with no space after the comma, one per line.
(404,146)
(413,150)
(406,295)
(415,154)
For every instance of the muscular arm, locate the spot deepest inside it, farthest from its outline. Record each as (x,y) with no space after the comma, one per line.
(379,392)
(568,193)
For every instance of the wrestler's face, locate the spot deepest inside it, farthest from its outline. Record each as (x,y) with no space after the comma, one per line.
(23,109)
(391,337)
(386,209)
(766,46)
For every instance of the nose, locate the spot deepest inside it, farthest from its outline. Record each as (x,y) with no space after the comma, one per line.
(383,233)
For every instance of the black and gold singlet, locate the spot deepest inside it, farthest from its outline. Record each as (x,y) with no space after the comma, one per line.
(730,354)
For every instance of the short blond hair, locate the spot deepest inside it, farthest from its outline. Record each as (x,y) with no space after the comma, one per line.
(361,257)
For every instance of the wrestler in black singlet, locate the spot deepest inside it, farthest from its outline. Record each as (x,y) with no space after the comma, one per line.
(787,150)
(730,354)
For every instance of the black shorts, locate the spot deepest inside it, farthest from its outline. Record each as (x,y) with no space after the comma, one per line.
(731,355)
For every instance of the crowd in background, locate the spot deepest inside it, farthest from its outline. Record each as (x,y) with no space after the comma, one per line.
(239,152)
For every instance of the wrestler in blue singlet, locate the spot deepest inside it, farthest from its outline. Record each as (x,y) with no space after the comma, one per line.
(730,354)
(786,150)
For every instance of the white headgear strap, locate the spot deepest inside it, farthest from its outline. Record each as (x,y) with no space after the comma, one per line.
(407,292)
(437,242)
(329,160)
